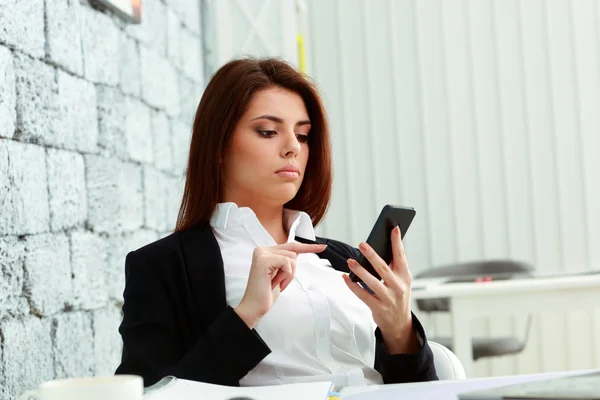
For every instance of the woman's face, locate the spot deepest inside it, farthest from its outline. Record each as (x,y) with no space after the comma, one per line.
(267,156)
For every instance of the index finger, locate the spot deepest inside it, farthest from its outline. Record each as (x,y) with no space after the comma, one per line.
(300,248)
(398,250)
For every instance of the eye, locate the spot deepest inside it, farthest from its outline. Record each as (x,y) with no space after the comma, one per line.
(266,133)
(302,138)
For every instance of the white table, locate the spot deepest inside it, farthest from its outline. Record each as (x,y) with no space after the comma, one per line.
(441,390)
(509,297)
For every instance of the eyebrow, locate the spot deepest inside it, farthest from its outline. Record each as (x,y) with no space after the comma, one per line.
(279,120)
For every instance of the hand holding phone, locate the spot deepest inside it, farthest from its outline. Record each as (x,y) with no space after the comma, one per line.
(389,300)
(379,238)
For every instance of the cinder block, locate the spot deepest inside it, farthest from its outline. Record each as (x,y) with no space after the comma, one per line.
(48,265)
(66,184)
(173,39)
(111,121)
(190,94)
(155,199)
(115,196)
(27,359)
(12,259)
(171,81)
(188,12)
(118,246)
(8,94)
(152,32)
(153,72)
(55,108)
(138,132)
(88,255)
(4,391)
(78,114)
(131,199)
(63,40)
(181,134)
(100,38)
(107,341)
(103,184)
(22,26)
(191,18)
(191,57)
(129,66)
(74,354)
(37,101)
(24,205)
(161,129)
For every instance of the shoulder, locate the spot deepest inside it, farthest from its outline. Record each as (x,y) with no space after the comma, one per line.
(160,248)
(173,250)
(339,247)
(156,257)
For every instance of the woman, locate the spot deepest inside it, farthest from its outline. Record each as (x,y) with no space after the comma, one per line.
(243,293)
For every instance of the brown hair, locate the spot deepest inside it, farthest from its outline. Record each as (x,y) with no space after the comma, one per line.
(223,103)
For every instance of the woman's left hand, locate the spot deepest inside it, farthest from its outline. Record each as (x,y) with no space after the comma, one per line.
(390,303)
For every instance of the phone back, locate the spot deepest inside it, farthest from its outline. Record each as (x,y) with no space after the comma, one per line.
(380,237)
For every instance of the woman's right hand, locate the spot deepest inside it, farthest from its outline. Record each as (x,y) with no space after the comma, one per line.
(272,270)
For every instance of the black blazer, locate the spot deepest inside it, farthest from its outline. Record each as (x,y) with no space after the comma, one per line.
(176,320)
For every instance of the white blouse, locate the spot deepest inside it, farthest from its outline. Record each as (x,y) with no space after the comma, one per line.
(317,329)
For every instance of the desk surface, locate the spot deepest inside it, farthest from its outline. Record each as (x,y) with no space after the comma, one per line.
(442,390)
(435,288)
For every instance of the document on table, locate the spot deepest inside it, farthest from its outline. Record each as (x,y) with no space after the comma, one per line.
(171,388)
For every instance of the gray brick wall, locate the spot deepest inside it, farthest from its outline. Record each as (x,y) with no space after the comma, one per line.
(95,118)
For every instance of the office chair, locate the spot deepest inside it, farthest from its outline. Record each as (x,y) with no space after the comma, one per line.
(471,272)
(447,365)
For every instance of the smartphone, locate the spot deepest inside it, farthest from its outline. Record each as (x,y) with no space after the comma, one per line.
(380,237)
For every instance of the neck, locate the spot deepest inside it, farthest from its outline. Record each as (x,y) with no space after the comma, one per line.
(272,220)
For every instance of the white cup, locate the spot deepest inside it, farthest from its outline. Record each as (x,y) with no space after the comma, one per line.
(118,387)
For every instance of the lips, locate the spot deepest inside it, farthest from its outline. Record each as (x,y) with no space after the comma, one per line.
(289,168)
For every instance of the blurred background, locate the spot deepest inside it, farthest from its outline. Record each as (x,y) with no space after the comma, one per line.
(483,115)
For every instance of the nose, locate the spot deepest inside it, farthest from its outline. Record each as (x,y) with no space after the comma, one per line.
(291,146)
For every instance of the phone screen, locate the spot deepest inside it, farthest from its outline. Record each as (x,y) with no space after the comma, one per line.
(380,237)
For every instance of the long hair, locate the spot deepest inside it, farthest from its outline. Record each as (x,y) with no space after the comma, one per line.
(223,103)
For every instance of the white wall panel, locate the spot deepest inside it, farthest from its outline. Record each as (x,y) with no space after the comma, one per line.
(488,124)
(438,162)
(568,135)
(541,133)
(461,124)
(358,169)
(408,126)
(324,37)
(381,131)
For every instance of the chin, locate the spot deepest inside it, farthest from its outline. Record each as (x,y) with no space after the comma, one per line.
(284,195)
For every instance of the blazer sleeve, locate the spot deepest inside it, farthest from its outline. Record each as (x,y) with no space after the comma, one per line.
(153,345)
(404,368)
